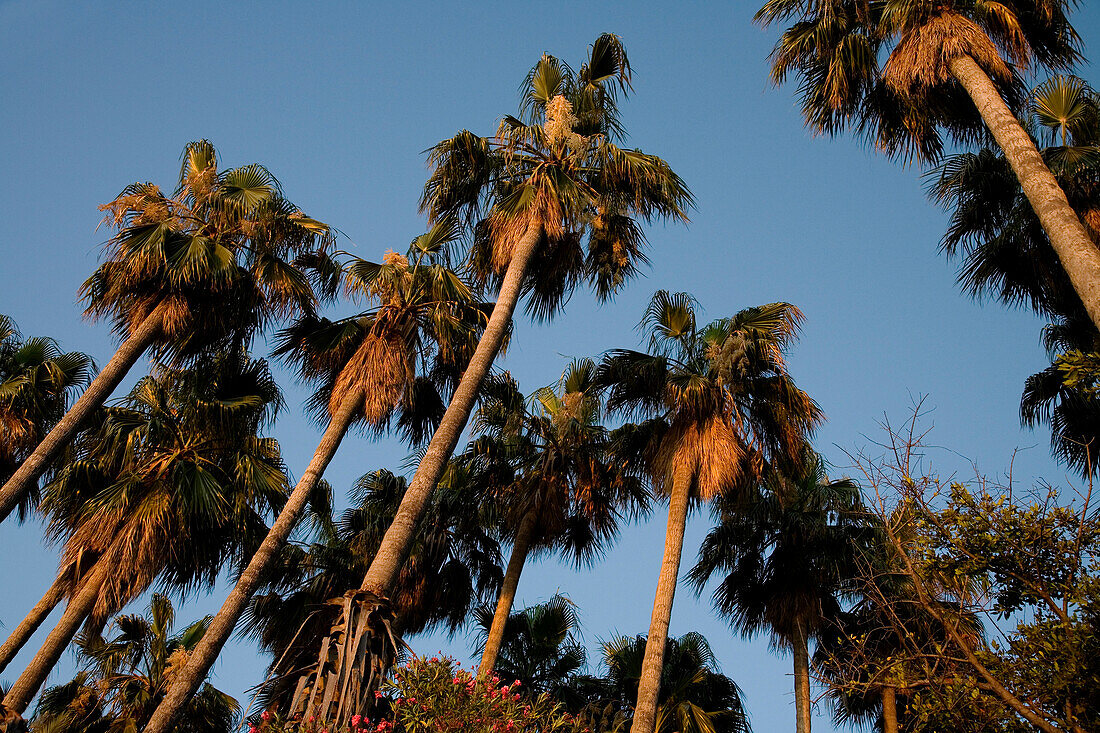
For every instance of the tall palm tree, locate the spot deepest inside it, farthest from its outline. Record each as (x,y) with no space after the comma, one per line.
(535,192)
(539,646)
(173,484)
(905,71)
(789,554)
(421,316)
(695,696)
(556,478)
(196,271)
(1006,254)
(36,381)
(124,677)
(721,402)
(453,567)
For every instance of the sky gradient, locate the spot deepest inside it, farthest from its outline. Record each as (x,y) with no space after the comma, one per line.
(339,101)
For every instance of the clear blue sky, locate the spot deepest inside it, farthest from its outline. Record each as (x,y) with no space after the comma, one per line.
(340,99)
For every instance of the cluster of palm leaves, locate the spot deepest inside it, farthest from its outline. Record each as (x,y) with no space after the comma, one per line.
(169,485)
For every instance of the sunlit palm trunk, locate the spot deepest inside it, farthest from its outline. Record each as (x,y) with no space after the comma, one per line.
(398,538)
(801,653)
(63,433)
(26,628)
(188,679)
(1078,254)
(507,594)
(649,684)
(889,710)
(80,605)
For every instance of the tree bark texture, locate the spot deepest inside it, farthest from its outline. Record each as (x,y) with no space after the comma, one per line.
(66,428)
(80,605)
(507,594)
(188,679)
(889,710)
(398,538)
(1076,251)
(649,684)
(801,655)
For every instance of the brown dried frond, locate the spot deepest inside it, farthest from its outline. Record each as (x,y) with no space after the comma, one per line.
(379,371)
(505,230)
(175,314)
(1091,220)
(920,60)
(712,450)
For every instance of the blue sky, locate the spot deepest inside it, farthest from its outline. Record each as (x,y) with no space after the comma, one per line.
(340,99)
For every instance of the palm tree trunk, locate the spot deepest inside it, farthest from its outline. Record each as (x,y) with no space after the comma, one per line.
(507,594)
(80,605)
(398,538)
(206,651)
(26,628)
(889,710)
(66,428)
(801,682)
(1078,254)
(649,684)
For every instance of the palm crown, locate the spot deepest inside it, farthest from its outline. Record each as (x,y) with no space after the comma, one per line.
(422,317)
(36,381)
(553,459)
(555,170)
(881,66)
(719,394)
(174,481)
(221,255)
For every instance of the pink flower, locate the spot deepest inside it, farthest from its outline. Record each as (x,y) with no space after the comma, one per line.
(265,715)
(377,694)
(355,720)
(253,729)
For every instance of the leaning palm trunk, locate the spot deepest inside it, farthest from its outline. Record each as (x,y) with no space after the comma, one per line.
(649,683)
(66,428)
(202,658)
(889,710)
(1079,256)
(26,628)
(80,606)
(507,594)
(398,538)
(801,653)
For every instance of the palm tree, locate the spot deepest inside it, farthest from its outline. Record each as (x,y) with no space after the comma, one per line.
(36,382)
(539,646)
(789,555)
(695,696)
(1006,254)
(422,315)
(453,566)
(124,678)
(197,271)
(720,402)
(173,484)
(534,192)
(555,475)
(949,67)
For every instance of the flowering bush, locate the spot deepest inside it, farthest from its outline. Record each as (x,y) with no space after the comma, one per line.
(437,696)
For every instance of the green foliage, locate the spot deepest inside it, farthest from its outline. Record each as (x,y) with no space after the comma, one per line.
(124,678)
(37,380)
